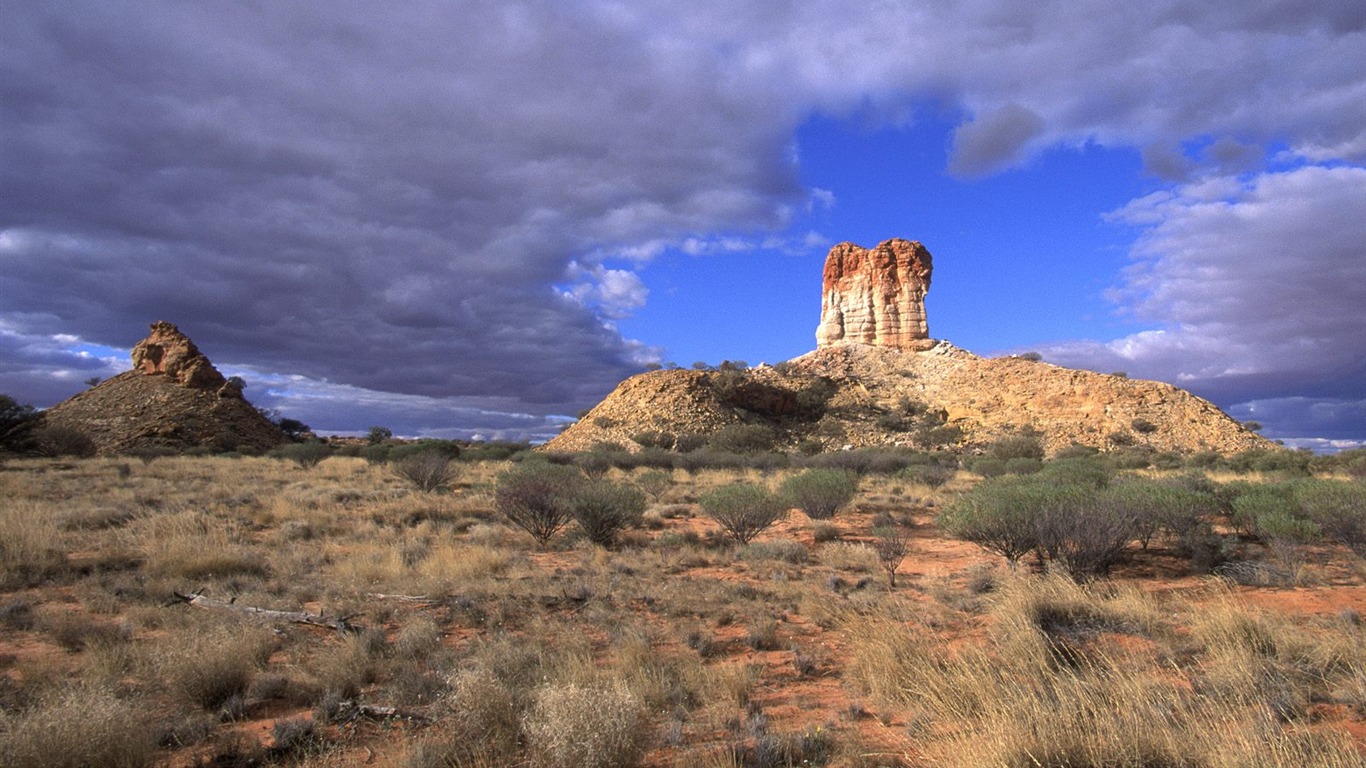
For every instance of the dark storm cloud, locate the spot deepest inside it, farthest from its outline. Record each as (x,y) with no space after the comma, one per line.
(419,198)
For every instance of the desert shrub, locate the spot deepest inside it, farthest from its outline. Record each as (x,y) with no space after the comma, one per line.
(743,438)
(1273,514)
(929,475)
(986,466)
(149,453)
(375,454)
(655,483)
(1023,465)
(304,455)
(573,726)
(78,728)
(743,511)
(1338,508)
(784,550)
(1143,426)
(820,493)
(998,515)
(1160,506)
(595,463)
(427,471)
(208,668)
(1023,446)
(535,496)
(864,461)
(1083,530)
(892,543)
(1092,471)
(654,439)
(17,421)
(603,509)
(63,441)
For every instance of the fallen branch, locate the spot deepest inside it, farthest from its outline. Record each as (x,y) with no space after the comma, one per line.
(341,623)
(351,710)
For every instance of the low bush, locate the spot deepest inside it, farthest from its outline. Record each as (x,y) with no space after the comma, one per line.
(892,543)
(820,493)
(80,727)
(536,497)
(427,471)
(573,726)
(655,483)
(304,455)
(604,509)
(999,516)
(743,511)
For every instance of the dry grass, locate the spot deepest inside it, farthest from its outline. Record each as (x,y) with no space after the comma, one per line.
(673,649)
(1080,676)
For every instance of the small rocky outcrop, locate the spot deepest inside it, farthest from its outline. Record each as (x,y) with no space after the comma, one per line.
(876,296)
(169,352)
(174,398)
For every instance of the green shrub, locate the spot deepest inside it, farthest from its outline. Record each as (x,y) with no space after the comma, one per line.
(820,493)
(743,438)
(304,455)
(1338,508)
(1091,471)
(743,511)
(603,509)
(427,471)
(595,463)
(655,483)
(375,454)
(1023,446)
(1084,530)
(987,466)
(999,516)
(536,497)
(1023,465)
(929,475)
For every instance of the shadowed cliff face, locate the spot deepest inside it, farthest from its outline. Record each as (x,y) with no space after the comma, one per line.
(876,296)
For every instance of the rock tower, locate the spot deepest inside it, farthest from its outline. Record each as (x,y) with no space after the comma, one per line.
(876,296)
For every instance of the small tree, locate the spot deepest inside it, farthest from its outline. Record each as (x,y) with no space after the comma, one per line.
(603,509)
(377,435)
(892,544)
(535,496)
(821,492)
(428,471)
(743,511)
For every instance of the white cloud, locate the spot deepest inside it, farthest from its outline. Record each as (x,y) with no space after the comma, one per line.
(1258,286)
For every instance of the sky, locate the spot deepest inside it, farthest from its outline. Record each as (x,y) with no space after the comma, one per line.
(473,219)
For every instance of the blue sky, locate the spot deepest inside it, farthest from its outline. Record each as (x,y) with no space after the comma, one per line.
(474,219)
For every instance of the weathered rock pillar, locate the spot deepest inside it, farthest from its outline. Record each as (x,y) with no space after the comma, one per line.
(876,296)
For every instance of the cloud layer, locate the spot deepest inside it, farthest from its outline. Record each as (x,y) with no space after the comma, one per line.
(447,201)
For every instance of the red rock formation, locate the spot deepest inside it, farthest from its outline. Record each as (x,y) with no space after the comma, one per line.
(876,297)
(170,352)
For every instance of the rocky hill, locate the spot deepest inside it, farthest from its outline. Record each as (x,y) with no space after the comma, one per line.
(173,398)
(876,379)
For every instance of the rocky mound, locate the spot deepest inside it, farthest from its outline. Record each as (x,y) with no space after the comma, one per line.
(877,379)
(173,398)
(943,398)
